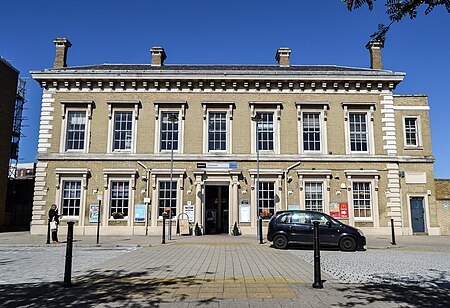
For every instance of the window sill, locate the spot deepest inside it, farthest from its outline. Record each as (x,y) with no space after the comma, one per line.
(370,219)
(69,218)
(413,148)
(119,219)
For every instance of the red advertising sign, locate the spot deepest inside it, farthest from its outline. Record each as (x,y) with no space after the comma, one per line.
(339,209)
(343,209)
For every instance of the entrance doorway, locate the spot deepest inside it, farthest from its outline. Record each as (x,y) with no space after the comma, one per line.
(216,209)
(417,214)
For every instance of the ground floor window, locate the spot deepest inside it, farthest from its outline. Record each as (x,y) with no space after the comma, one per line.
(119,199)
(314,196)
(362,200)
(71,198)
(165,202)
(266,200)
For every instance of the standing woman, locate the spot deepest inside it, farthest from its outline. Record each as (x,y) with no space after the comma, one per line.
(53,215)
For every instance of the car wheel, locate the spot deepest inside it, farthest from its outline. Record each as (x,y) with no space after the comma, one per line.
(347,243)
(280,241)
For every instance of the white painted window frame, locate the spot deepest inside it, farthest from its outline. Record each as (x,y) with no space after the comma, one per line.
(323,176)
(75,106)
(172,107)
(419,144)
(266,107)
(226,107)
(122,106)
(265,175)
(368,110)
(163,175)
(313,107)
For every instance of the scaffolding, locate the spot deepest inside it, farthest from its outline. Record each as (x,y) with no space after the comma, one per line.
(17,128)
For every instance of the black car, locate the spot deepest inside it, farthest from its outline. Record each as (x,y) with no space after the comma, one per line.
(297,227)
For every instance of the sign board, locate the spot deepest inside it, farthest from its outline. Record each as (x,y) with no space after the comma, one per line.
(339,209)
(189,211)
(244,211)
(184,226)
(100,196)
(93,213)
(139,213)
(147,200)
(217,165)
(293,207)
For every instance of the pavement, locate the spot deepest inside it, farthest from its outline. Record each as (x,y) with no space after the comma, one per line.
(221,271)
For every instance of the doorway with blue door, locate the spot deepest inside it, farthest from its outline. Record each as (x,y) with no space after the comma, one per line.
(417,210)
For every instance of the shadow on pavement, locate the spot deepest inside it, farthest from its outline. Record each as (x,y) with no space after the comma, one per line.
(97,287)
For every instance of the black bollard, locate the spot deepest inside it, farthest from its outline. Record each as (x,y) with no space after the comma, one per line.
(260,230)
(393,232)
(163,240)
(98,220)
(69,245)
(316,243)
(48,231)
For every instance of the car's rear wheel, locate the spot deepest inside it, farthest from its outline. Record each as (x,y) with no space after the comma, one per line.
(280,241)
(347,243)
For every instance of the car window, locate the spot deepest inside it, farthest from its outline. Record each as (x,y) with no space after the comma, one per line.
(322,219)
(298,218)
(284,218)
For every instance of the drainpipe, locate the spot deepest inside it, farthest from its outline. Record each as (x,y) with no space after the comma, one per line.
(147,192)
(285,182)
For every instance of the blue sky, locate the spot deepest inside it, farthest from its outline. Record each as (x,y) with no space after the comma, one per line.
(228,32)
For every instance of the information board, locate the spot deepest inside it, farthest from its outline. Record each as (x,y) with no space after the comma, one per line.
(139,213)
(244,213)
(189,211)
(93,213)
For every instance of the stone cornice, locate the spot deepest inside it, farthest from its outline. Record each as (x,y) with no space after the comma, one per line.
(236,157)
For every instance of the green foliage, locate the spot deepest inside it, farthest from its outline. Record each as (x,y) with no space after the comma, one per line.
(397,10)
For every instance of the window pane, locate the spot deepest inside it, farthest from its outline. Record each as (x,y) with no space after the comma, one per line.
(362,203)
(123,133)
(217,131)
(311,131)
(165,202)
(313,196)
(71,198)
(265,131)
(119,197)
(266,205)
(358,132)
(411,132)
(168,132)
(76,127)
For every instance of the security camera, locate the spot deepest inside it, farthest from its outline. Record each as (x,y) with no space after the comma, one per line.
(289,179)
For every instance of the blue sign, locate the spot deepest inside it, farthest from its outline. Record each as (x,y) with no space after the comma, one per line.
(139,213)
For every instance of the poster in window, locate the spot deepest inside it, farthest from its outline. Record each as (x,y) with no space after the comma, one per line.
(334,210)
(93,213)
(244,213)
(139,213)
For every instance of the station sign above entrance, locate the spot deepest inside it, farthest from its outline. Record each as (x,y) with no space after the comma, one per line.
(217,165)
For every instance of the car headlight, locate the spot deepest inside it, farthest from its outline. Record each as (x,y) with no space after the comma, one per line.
(360,232)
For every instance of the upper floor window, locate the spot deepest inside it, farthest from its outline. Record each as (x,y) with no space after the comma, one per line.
(76,117)
(412,132)
(217,131)
(123,130)
(76,130)
(217,126)
(169,131)
(265,126)
(123,117)
(265,131)
(359,127)
(358,132)
(311,131)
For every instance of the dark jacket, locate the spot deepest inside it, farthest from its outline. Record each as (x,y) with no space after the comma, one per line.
(53,213)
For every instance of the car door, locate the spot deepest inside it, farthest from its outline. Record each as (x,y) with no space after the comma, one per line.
(328,233)
(300,231)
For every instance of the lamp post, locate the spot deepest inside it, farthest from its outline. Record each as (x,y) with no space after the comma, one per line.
(172,119)
(257,119)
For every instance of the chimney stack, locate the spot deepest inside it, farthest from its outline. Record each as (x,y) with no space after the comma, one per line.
(283,56)
(62,44)
(158,56)
(374,47)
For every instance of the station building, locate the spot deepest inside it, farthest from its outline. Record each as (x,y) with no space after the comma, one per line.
(329,138)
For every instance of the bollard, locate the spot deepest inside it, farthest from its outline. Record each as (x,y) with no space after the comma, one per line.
(260,230)
(98,221)
(393,232)
(316,244)
(48,231)
(163,240)
(69,245)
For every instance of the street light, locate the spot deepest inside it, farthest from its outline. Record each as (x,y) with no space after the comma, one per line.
(172,119)
(257,119)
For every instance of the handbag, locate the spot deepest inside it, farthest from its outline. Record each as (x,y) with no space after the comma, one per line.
(53,225)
